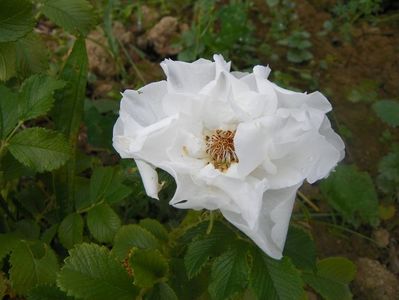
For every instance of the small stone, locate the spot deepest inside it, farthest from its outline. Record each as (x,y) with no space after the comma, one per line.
(163,35)
(393,258)
(121,33)
(149,17)
(381,237)
(374,282)
(102,88)
(100,61)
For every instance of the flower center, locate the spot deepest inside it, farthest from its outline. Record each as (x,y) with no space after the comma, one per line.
(220,148)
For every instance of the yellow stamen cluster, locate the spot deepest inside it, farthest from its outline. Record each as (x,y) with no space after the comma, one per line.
(220,148)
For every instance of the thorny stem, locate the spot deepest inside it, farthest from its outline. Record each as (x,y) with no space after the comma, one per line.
(211,220)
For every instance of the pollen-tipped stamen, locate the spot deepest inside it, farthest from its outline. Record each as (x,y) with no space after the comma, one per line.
(220,148)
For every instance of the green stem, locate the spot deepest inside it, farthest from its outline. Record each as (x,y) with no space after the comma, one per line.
(4,144)
(342,228)
(308,201)
(211,220)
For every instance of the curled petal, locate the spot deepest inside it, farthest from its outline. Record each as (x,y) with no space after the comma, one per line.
(194,193)
(333,138)
(145,105)
(291,99)
(314,158)
(246,194)
(150,178)
(188,77)
(271,224)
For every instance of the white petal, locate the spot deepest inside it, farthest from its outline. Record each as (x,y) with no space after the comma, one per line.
(261,71)
(249,105)
(149,177)
(249,80)
(188,77)
(245,194)
(272,222)
(311,157)
(145,105)
(189,104)
(291,99)
(221,64)
(143,143)
(187,151)
(333,138)
(250,143)
(239,75)
(194,193)
(216,111)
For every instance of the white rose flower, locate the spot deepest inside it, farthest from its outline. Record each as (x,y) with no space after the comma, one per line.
(232,141)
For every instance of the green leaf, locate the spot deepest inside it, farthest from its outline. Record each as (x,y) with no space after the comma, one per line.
(130,236)
(49,234)
(28,229)
(8,60)
(36,96)
(70,231)
(300,247)
(298,55)
(40,149)
(117,192)
(388,111)
(92,273)
(32,199)
(332,278)
(105,185)
(32,264)
(352,194)
(275,279)
(8,111)
(99,125)
(16,19)
(183,287)
(156,228)
(207,245)
(388,168)
(7,243)
(67,115)
(31,54)
(149,266)
(339,269)
(47,292)
(103,223)
(229,273)
(365,91)
(68,110)
(13,169)
(161,291)
(73,15)
(100,183)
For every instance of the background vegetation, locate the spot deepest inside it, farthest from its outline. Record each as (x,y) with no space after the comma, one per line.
(75,222)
